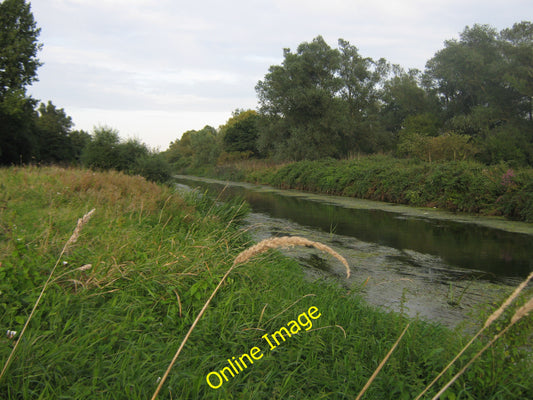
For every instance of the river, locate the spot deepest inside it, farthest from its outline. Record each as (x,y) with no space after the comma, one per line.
(427,263)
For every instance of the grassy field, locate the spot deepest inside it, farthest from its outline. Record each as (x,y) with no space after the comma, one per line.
(124,294)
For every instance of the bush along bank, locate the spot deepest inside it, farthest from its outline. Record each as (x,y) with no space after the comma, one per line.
(463,186)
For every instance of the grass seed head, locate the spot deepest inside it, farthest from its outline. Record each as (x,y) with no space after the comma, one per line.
(288,241)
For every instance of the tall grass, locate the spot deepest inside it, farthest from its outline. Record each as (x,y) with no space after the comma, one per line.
(131,286)
(73,238)
(240,259)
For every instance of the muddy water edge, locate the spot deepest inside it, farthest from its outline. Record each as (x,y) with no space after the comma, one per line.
(434,265)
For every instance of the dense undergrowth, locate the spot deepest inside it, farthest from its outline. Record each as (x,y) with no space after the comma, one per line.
(465,186)
(127,291)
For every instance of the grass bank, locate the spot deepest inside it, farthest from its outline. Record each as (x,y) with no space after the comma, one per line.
(126,292)
(464,186)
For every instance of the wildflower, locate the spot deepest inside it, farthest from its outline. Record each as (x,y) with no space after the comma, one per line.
(507,177)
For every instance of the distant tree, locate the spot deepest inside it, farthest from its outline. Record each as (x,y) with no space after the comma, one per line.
(128,154)
(517,47)
(102,152)
(17,139)
(79,140)
(403,97)
(466,72)
(415,136)
(18,46)
(300,102)
(322,102)
(180,152)
(206,147)
(53,128)
(18,68)
(240,133)
(105,150)
(195,149)
(484,81)
(154,167)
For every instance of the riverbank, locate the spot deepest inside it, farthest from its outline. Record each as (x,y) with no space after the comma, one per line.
(459,186)
(126,292)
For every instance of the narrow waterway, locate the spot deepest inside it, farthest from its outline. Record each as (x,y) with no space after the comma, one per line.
(435,265)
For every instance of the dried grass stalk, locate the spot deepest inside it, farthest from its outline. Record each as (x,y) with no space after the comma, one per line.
(496,314)
(493,317)
(380,366)
(289,241)
(523,311)
(244,256)
(75,235)
(519,314)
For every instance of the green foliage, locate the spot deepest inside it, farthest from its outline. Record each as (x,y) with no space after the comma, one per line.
(57,143)
(18,46)
(27,134)
(300,100)
(154,167)
(198,150)
(484,82)
(473,101)
(106,151)
(103,150)
(239,134)
(17,139)
(405,99)
(447,147)
(466,186)
(206,147)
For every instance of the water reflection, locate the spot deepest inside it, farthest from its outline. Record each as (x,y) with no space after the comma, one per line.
(495,252)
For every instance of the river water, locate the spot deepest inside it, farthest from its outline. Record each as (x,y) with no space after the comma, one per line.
(430,264)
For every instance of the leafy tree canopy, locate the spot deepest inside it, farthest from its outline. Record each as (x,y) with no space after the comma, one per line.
(18,46)
(239,134)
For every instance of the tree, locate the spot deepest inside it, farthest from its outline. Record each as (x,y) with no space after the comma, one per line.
(517,47)
(206,147)
(485,83)
(180,152)
(17,139)
(322,102)
(18,68)
(464,71)
(239,134)
(53,128)
(102,152)
(361,79)
(128,154)
(299,100)
(197,149)
(403,96)
(18,46)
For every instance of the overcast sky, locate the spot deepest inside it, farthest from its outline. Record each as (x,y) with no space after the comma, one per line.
(153,69)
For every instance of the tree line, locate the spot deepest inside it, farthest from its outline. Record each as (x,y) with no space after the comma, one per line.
(473,101)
